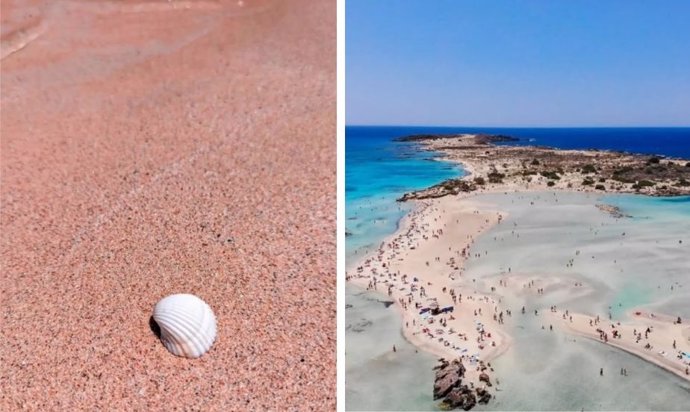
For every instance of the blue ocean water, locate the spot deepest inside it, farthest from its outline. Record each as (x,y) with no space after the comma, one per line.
(673,142)
(379,170)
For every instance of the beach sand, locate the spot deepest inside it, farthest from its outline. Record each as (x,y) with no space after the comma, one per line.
(428,250)
(147,151)
(438,230)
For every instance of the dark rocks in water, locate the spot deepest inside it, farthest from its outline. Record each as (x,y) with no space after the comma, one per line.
(460,398)
(448,377)
(483,377)
(454,369)
(442,363)
(448,385)
(483,396)
(387,303)
(348,234)
(614,211)
(360,326)
(443,386)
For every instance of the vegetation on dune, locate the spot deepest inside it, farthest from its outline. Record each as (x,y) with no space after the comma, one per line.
(683,183)
(551,175)
(596,170)
(588,168)
(496,177)
(642,184)
(588,181)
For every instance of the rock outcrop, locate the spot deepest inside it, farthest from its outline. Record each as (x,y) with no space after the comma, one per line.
(445,188)
(461,397)
(448,385)
(500,167)
(614,211)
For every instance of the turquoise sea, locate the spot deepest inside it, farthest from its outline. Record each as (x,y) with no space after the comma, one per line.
(379,170)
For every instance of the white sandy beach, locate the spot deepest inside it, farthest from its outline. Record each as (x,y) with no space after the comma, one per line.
(427,252)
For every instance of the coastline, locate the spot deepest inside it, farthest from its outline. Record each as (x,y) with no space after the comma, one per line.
(424,229)
(413,229)
(529,168)
(663,332)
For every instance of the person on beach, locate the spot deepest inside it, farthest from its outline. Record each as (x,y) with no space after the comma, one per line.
(601,371)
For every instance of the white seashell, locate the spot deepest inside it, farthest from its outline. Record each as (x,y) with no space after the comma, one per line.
(187,324)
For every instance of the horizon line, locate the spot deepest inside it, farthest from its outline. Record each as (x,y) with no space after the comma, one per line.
(529,127)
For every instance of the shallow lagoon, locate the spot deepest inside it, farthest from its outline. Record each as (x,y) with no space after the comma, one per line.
(627,262)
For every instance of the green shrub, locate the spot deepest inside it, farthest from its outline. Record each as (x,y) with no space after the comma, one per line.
(496,177)
(643,183)
(618,175)
(479,180)
(550,183)
(535,162)
(551,175)
(623,170)
(588,181)
(589,168)
(600,187)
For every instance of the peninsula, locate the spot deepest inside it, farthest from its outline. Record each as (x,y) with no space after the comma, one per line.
(494,167)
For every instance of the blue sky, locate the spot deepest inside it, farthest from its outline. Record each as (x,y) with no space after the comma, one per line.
(518,63)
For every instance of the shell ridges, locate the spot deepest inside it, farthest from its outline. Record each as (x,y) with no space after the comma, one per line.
(187,324)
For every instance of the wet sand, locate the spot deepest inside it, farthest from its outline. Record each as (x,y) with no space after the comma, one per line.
(147,151)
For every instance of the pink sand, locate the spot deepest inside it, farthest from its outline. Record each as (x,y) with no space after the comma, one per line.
(150,151)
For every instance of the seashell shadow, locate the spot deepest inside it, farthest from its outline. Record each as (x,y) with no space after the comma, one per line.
(154,327)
